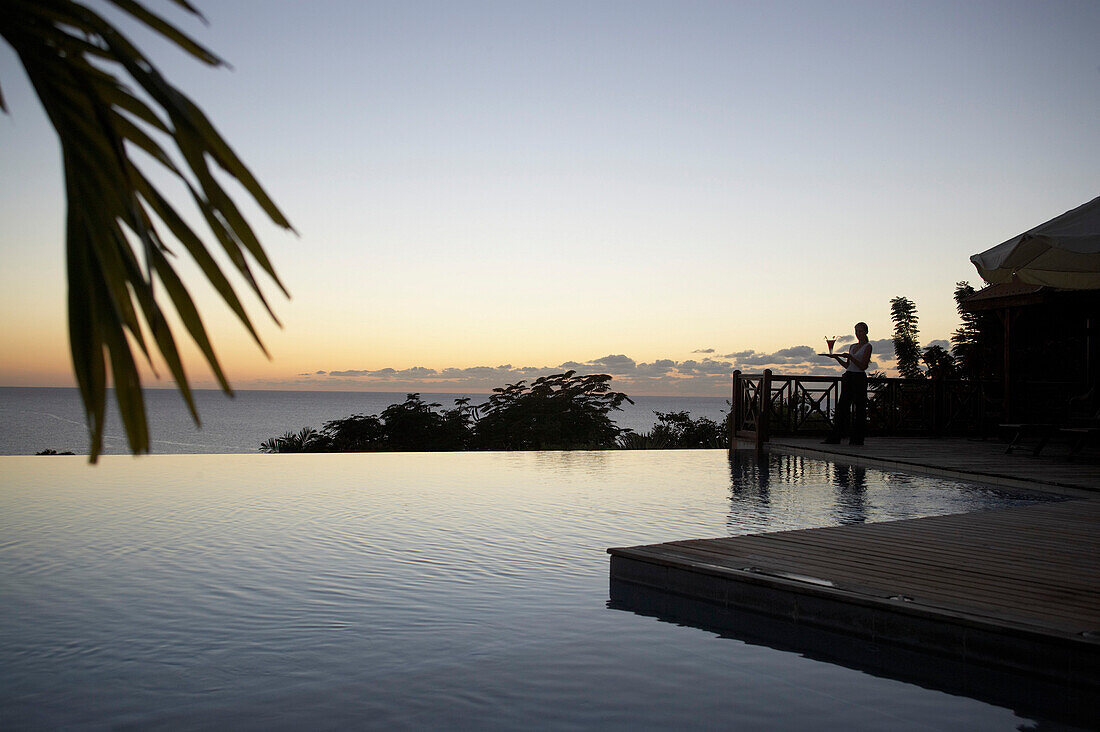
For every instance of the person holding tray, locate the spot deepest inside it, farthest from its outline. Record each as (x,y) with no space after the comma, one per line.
(851,407)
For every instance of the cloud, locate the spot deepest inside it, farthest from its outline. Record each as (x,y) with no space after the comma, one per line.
(616,363)
(660,367)
(705,376)
(789,355)
(941,343)
(795,354)
(883,348)
(660,376)
(706,366)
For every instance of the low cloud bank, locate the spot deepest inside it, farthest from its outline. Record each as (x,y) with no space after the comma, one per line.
(706,376)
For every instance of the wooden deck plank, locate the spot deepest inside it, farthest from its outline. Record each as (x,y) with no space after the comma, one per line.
(1031,569)
(907,561)
(969,576)
(1017,556)
(944,581)
(1025,560)
(1068,607)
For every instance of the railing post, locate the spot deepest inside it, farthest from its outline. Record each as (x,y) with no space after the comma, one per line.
(735,409)
(764,418)
(939,407)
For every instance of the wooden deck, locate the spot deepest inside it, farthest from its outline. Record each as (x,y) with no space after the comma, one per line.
(1015,588)
(979,460)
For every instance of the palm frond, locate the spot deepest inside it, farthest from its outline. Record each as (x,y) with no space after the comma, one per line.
(77,63)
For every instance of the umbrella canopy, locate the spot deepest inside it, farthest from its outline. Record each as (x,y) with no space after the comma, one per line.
(1064,252)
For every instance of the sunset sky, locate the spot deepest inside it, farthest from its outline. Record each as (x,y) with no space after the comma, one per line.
(663,191)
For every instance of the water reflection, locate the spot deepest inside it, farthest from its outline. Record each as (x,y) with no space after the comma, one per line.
(750,487)
(749,476)
(836,492)
(851,493)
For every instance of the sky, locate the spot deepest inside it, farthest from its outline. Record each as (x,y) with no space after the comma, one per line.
(664,191)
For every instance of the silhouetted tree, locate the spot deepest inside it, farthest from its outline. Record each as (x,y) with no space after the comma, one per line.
(562,411)
(903,312)
(414,425)
(305,440)
(976,342)
(941,364)
(557,412)
(678,429)
(79,65)
(410,426)
(357,433)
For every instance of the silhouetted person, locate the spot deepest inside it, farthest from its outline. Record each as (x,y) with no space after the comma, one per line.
(851,408)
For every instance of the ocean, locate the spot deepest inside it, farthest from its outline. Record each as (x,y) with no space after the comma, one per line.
(33,419)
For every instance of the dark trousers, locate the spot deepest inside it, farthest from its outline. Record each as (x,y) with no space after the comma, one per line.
(851,408)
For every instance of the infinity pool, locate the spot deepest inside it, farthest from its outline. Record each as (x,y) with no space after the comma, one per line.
(462,590)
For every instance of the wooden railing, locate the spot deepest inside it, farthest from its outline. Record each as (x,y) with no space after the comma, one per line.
(768,404)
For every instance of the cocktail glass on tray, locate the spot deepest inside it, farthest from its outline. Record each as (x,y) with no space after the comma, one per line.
(829,342)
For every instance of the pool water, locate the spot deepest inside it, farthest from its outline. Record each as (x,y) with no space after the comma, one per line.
(403,590)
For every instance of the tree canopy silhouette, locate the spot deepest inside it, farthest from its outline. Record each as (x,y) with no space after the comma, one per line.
(558,412)
(117,221)
(976,343)
(903,312)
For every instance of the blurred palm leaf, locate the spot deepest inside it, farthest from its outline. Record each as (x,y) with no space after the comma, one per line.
(116,216)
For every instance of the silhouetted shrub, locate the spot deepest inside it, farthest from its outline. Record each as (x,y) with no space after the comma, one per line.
(357,433)
(678,429)
(305,440)
(558,412)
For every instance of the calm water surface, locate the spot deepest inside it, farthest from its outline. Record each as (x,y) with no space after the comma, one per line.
(33,419)
(410,590)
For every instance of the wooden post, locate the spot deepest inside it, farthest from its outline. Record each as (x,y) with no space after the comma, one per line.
(764,418)
(939,407)
(735,409)
(1007,410)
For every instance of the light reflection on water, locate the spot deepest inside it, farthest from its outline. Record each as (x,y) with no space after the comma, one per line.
(415,590)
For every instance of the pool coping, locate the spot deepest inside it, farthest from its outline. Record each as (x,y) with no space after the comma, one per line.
(1016,647)
(855,457)
(748,574)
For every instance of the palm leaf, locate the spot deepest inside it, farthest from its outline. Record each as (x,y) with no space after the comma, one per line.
(113,304)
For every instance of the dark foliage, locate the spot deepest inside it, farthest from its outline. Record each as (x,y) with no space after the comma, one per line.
(305,440)
(415,426)
(106,100)
(678,429)
(357,433)
(411,426)
(903,312)
(558,412)
(941,364)
(976,343)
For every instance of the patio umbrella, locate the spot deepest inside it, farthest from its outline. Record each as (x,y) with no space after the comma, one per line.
(1064,253)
